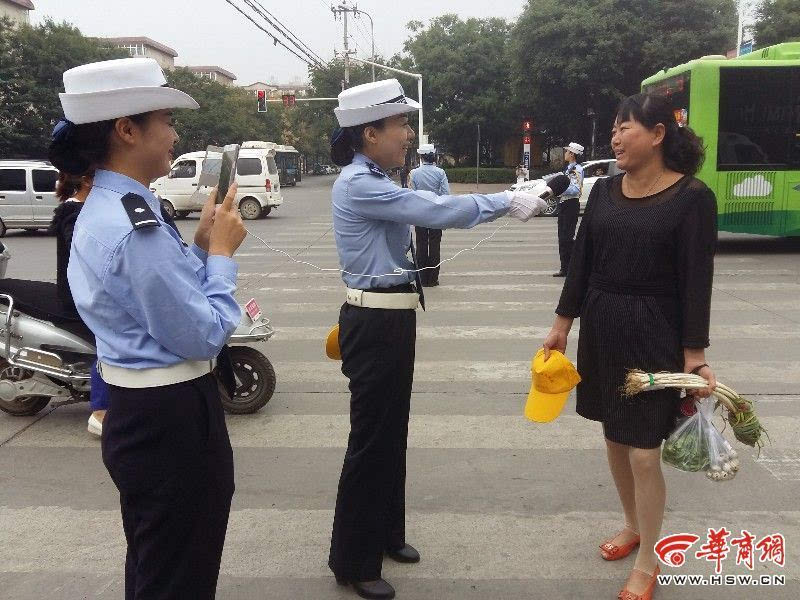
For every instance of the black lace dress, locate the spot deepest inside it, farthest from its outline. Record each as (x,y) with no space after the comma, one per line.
(640,280)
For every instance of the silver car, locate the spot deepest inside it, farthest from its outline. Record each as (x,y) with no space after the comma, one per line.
(27,194)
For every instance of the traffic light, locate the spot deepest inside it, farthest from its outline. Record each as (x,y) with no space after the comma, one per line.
(262,100)
(289,100)
(526,140)
(527,125)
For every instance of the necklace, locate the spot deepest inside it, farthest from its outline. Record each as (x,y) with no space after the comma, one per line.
(652,187)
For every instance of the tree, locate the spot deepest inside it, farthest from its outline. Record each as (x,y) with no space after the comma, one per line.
(466,78)
(777,21)
(591,53)
(32,61)
(226,115)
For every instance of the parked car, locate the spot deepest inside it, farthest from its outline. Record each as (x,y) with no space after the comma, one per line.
(326,170)
(27,194)
(592,171)
(256,173)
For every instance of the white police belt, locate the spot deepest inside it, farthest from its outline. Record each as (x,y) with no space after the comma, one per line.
(402,301)
(155,377)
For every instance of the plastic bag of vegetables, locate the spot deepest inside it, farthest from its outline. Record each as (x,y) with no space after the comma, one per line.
(687,447)
(723,462)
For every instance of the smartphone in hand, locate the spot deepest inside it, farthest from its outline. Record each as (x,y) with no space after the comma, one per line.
(227,174)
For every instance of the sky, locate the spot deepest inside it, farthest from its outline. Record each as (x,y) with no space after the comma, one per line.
(211,32)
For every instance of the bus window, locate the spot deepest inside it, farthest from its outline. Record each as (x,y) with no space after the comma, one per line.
(759,118)
(677,90)
(273,168)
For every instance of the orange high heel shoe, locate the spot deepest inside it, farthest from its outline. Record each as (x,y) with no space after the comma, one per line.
(626,594)
(611,551)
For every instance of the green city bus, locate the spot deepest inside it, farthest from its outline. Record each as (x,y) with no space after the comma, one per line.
(747,110)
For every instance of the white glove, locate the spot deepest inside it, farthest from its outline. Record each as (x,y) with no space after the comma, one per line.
(525,205)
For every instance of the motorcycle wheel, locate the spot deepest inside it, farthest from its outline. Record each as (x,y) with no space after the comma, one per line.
(27,406)
(255,381)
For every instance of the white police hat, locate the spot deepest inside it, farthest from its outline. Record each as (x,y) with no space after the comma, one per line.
(426,149)
(118,88)
(372,102)
(576,149)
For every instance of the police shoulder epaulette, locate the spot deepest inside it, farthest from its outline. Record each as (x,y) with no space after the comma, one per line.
(376,170)
(140,214)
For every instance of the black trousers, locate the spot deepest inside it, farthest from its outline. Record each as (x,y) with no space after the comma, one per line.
(378,358)
(568,212)
(428,253)
(167,451)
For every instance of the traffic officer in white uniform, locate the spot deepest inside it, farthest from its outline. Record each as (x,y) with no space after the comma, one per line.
(377,323)
(569,206)
(431,178)
(161,311)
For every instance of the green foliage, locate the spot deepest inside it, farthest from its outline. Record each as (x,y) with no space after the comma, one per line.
(489,175)
(466,82)
(777,21)
(32,62)
(568,57)
(227,115)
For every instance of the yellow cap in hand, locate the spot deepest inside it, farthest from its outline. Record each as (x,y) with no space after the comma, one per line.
(552,381)
(332,344)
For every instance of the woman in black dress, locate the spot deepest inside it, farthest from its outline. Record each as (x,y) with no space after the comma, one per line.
(640,281)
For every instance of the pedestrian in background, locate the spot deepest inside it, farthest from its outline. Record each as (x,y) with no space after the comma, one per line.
(640,281)
(431,178)
(72,191)
(404,172)
(569,206)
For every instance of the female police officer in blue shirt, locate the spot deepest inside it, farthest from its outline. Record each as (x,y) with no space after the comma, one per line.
(160,311)
(377,324)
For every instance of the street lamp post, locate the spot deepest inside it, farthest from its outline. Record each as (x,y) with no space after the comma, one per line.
(372,34)
(593,116)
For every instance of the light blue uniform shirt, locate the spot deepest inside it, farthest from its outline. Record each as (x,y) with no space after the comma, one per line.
(575,173)
(430,178)
(150,300)
(372,214)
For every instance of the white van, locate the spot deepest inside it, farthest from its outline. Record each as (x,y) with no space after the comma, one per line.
(256,173)
(27,194)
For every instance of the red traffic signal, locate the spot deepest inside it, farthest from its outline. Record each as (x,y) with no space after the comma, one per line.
(526,140)
(527,125)
(289,100)
(262,100)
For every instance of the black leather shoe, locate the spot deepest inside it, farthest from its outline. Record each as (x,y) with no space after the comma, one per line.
(560,274)
(430,284)
(375,590)
(406,554)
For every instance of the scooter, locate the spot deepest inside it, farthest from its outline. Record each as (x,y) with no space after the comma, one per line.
(46,355)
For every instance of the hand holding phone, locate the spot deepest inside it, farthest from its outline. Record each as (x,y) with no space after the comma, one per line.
(227,174)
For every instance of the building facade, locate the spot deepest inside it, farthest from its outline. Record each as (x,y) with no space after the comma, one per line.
(145,47)
(214,73)
(16,10)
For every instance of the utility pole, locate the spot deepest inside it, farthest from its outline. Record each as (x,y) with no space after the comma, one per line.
(343,9)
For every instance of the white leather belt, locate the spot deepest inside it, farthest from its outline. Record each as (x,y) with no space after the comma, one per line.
(154,377)
(402,301)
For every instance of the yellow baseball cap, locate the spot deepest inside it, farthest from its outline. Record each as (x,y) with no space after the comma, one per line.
(332,350)
(552,381)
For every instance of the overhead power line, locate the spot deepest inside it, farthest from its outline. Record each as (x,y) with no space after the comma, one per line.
(291,33)
(298,46)
(306,59)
